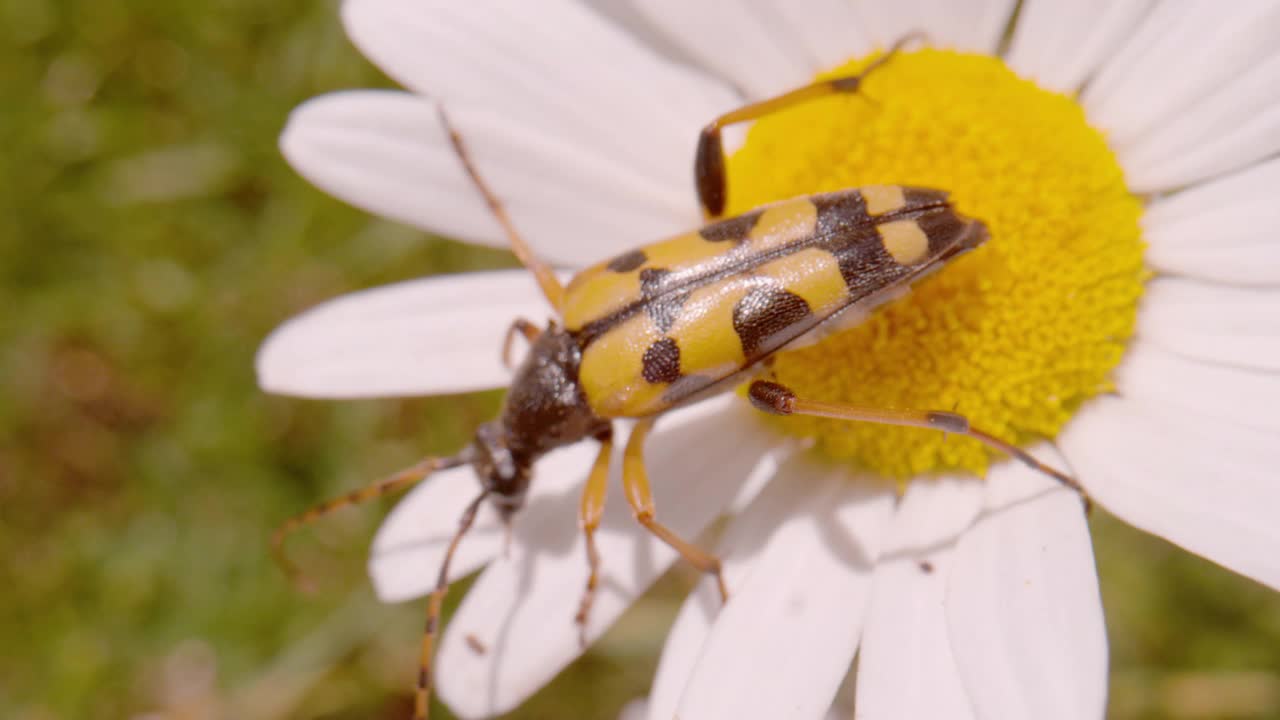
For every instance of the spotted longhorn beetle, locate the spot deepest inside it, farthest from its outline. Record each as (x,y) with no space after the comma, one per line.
(668,324)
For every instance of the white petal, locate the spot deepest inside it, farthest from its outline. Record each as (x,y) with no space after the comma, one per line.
(827,32)
(410,545)
(1230,395)
(1247,452)
(1208,487)
(522,609)
(1232,127)
(785,494)
(784,642)
(387,152)
(1023,605)
(764,472)
(1139,53)
(905,667)
(1221,230)
(611,95)
(975,25)
(1218,114)
(421,337)
(1179,55)
(738,40)
(1060,44)
(1172,219)
(1213,323)
(1251,264)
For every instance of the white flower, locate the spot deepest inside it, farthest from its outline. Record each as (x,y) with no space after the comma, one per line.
(964,598)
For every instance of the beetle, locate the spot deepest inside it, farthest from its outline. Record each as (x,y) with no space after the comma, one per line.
(668,324)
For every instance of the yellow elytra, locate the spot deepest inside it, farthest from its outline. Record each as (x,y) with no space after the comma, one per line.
(668,323)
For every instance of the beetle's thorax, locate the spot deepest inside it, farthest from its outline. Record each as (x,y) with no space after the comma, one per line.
(545,406)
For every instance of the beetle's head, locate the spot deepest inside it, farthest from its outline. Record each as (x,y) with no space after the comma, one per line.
(504,474)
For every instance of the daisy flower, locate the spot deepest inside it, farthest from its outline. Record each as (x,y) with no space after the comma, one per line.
(1121,323)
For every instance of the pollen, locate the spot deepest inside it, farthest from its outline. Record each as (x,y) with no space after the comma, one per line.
(1015,335)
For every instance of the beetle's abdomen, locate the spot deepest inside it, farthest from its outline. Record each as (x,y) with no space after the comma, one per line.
(666,321)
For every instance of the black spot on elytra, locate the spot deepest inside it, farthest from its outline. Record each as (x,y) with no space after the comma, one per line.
(840,213)
(865,265)
(628,261)
(918,198)
(759,317)
(663,307)
(664,311)
(848,232)
(661,362)
(733,229)
(942,227)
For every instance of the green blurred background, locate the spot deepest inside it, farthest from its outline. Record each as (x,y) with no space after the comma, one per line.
(150,237)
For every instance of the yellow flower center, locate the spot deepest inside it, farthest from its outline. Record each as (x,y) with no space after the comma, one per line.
(1015,335)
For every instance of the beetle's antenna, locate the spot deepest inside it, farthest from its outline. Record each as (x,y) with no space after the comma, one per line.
(404,479)
(542,272)
(434,603)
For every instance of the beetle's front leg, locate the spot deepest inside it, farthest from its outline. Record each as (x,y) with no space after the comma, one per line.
(525,328)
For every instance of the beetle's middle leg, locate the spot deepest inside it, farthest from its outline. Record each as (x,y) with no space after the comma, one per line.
(778,399)
(590,512)
(542,272)
(708,163)
(635,481)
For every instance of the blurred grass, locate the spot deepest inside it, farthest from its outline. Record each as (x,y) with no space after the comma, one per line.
(150,237)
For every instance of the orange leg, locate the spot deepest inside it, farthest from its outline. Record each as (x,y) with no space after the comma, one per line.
(426,678)
(525,328)
(542,272)
(778,399)
(708,164)
(404,479)
(635,481)
(590,512)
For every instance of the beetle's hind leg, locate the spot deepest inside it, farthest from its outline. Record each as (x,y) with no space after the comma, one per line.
(635,481)
(708,163)
(778,399)
(542,272)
